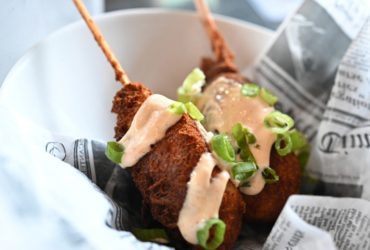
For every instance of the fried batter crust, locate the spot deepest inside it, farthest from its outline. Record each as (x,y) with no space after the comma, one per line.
(213,69)
(267,205)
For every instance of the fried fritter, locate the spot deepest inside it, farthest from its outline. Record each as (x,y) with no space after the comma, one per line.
(213,69)
(162,174)
(267,205)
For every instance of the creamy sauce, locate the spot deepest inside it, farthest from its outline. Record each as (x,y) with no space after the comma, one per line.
(148,127)
(223,106)
(203,197)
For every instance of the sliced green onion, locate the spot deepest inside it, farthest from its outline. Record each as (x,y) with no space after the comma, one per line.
(155,235)
(242,171)
(114,151)
(195,76)
(192,86)
(246,155)
(278,122)
(300,147)
(283,144)
(178,108)
(268,97)
(270,175)
(237,132)
(203,234)
(184,97)
(194,112)
(251,139)
(242,135)
(250,89)
(299,141)
(222,147)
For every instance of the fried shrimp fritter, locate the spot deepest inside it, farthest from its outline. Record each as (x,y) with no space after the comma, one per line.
(162,174)
(214,69)
(267,205)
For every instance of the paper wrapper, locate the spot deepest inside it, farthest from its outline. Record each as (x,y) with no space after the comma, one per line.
(318,65)
(40,195)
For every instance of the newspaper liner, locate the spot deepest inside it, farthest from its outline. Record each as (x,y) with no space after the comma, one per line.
(319,66)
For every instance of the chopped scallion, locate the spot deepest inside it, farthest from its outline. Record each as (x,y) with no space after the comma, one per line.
(278,122)
(250,89)
(194,112)
(270,175)
(222,147)
(242,135)
(114,151)
(283,144)
(242,171)
(299,141)
(178,108)
(268,97)
(203,234)
(192,86)
(246,155)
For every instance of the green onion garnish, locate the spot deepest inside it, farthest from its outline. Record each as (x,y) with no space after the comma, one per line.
(250,89)
(242,135)
(114,151)
(222,147)
(180,108)
(194,112)
(246,155)
(237,132)
(300,146)
(270,175)
(278,122)
(299,141)
(242,171)
(203,234)
(177,108)
(155,235)
(268,97)
(283,144)
(192,86)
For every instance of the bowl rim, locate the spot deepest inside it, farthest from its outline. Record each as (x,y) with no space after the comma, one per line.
(107,16)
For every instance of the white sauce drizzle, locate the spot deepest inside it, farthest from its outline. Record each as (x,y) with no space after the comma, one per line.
(223,106)
(149,126)
(203,197)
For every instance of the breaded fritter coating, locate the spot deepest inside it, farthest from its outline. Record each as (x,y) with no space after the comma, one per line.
(267,205)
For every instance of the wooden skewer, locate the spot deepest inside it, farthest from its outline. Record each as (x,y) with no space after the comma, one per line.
(219,46)
(121,75)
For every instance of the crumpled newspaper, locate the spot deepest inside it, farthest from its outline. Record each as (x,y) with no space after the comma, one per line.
(47,204)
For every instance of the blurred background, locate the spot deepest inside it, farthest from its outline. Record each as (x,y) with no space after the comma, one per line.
(23,23)
(268,13)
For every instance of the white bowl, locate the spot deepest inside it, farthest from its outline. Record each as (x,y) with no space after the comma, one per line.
(66,85)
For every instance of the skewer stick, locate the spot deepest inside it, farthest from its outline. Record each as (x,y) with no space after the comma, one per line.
(121,75)
(219,46)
